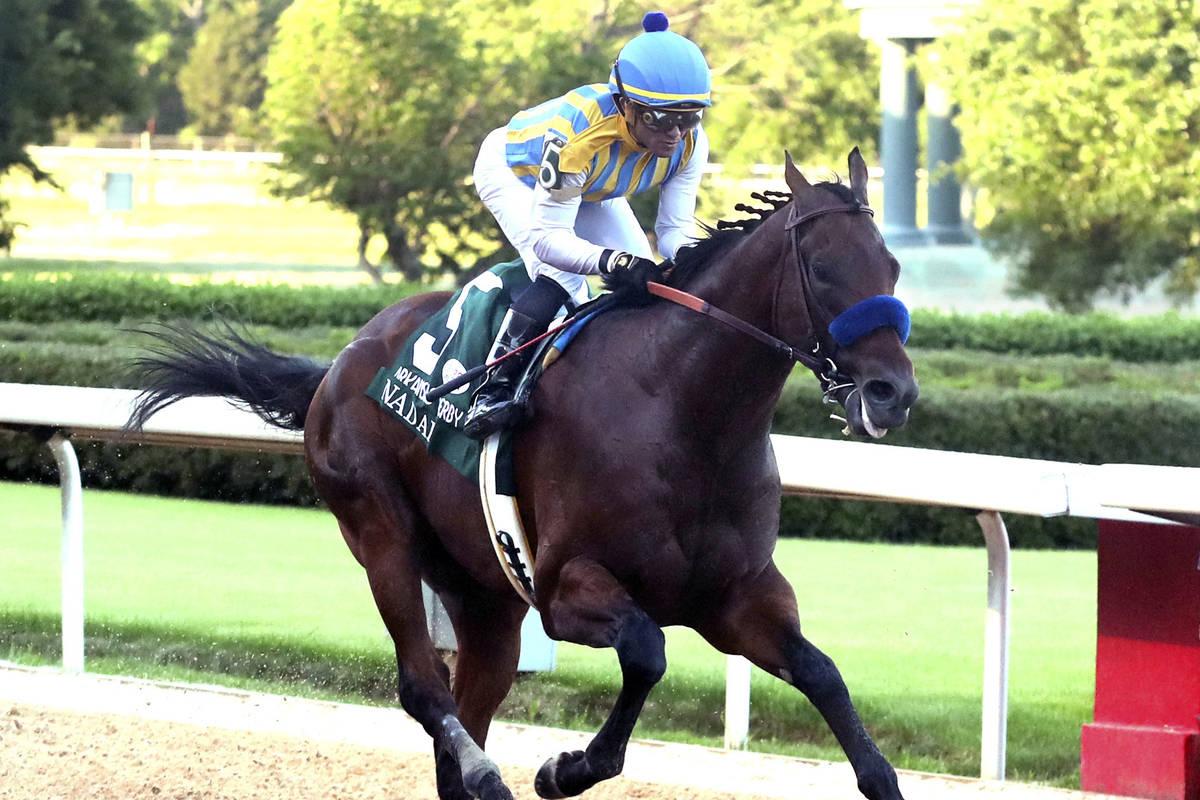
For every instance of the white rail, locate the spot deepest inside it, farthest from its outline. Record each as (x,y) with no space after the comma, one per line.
(988,485)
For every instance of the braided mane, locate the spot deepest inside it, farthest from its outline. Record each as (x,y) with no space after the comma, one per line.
(692,259)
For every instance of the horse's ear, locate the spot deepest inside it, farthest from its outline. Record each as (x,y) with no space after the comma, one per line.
(858,176)
(795,181)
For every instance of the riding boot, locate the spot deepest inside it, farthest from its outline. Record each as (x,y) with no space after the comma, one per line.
(494,408)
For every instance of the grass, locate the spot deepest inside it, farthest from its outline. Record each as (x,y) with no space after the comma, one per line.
(184,211)
(270,599)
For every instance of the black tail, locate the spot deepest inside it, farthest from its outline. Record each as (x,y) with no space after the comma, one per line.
(183,362)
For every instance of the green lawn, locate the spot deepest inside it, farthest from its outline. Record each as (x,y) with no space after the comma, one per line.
(270,598)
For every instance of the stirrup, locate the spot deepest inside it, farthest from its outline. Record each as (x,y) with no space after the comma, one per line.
(484,420)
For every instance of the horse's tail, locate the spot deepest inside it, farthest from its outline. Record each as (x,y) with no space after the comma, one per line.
(184,362)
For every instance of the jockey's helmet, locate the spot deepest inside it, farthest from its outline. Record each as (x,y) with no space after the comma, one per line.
(661,69)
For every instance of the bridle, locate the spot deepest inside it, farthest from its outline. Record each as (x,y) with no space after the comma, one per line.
(818,352)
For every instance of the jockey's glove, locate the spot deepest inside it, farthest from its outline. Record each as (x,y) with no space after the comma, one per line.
(615,260)
(629,279)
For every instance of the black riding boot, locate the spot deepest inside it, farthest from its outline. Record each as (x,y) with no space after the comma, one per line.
(530,315)
(493,409)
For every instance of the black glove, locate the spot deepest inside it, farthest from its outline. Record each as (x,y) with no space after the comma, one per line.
(626,275)
(615,260)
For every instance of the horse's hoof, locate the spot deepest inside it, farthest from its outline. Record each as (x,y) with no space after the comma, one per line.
(493,788)
(546,782)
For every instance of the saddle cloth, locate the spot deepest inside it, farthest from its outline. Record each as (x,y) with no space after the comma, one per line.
(457,337)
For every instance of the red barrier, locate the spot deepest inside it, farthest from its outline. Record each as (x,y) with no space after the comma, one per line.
(1145,740)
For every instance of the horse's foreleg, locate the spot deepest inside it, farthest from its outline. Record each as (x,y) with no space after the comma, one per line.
(761,623)
(588,606)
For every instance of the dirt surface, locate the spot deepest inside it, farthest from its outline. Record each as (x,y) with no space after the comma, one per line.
(98,738)
(50,753)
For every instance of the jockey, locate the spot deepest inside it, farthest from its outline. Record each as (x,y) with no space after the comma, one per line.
(558,176)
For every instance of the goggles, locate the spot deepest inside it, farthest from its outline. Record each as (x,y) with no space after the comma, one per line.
(664,119)
(658,119)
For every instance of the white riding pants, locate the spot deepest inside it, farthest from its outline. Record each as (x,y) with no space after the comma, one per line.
(610,223)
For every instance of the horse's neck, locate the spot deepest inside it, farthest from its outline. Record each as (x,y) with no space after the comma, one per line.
(744,279)
(727,373)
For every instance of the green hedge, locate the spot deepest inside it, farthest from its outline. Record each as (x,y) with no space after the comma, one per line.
(227,475)
(117,297)
(1166,337)
(65,364)
(1088,425)
(1077,425)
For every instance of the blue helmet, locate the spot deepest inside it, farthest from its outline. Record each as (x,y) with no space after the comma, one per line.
(661,68)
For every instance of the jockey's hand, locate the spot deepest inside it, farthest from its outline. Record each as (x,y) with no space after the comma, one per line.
(617,260)
(627,274)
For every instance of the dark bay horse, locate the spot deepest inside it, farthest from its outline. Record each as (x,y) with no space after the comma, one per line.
(648,485)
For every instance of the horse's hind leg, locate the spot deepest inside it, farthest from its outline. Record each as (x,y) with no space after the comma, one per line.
(588,606)
(488,629)
(761,623)
(380,530)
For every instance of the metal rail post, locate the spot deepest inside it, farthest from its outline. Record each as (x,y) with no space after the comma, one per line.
(72,552)
(737,702)
(995,648)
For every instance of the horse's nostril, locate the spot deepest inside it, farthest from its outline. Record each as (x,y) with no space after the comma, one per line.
(879,392)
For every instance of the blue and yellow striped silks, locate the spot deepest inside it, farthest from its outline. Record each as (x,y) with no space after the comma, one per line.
(596,141)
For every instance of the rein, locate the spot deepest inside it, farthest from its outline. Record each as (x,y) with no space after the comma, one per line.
(737,323)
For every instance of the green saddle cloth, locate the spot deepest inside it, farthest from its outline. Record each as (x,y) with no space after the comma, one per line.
(451,341)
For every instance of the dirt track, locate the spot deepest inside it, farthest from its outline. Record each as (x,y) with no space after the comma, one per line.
(95,738)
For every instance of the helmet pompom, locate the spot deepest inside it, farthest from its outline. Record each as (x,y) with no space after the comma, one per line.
(655,21)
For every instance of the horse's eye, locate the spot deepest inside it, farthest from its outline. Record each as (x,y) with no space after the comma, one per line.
(822,273)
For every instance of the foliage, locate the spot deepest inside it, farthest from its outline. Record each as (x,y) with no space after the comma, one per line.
(1091,415)
(1166,337)
(62,60)
(375,108)
(117,297)
(390,132)
(1090,424)
(8,228)
(994,383)
(1079,120)
(162,54)
(791,75)
(223,80)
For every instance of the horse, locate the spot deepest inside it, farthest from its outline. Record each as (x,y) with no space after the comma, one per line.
(648,485)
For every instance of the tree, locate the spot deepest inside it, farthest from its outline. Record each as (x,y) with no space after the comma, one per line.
(1080,121)
(398,153)
(173,26)
(223,81)
(376,107)
(787,74)
(62,60)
